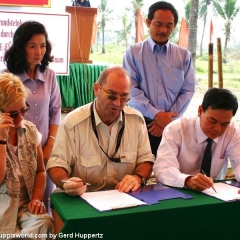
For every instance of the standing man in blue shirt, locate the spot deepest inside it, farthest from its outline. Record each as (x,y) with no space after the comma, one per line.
(163,79)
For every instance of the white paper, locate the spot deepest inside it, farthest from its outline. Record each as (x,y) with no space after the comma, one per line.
(224,192)
(110,200)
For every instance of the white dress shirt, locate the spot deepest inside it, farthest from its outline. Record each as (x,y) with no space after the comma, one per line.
(181,150)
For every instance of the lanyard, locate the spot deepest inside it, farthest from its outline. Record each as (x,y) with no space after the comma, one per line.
(119,137)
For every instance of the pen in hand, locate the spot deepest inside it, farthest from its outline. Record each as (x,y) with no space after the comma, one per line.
(206,176)
(67,181)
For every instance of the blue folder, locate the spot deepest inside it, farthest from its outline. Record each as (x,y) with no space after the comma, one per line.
(153,194)
(233,182)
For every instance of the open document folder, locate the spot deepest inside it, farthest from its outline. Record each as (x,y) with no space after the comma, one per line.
(224,192)
(147,195)
(110,200)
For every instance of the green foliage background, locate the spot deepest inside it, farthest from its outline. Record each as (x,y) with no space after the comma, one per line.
(231,69)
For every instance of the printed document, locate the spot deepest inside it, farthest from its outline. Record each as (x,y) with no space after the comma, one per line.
(224,192)
(110,200)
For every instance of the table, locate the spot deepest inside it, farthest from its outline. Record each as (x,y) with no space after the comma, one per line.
(203,217)
(77,88)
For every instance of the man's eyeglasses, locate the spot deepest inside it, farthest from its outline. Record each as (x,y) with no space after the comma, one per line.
(22,112)
(114,97)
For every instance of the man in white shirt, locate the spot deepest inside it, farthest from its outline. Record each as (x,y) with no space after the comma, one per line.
(104,143)
(179,156)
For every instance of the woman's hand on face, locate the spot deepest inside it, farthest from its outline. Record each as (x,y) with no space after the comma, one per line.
(6,122)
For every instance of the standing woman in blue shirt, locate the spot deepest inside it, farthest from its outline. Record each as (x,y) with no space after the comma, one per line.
(163,79)
(28,58)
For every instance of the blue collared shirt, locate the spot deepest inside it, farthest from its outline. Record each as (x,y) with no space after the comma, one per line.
(163,78)
(44,99)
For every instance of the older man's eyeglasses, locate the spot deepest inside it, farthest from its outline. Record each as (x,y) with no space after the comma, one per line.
(113,97)
(22,112)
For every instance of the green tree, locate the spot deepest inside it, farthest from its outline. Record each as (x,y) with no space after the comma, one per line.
(175,34)
(228,10)
(203,12)
(187,10)
(192,26)
(99,30)
(136,5)
(126,31)
(105,17)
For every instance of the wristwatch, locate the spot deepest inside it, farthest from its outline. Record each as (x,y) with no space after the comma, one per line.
(143,180)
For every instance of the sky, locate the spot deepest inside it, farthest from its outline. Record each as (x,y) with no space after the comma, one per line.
(122,4)
(118,6)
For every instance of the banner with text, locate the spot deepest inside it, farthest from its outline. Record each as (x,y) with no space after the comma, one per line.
(57,26)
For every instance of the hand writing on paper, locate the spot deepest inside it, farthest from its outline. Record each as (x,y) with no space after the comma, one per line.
(199,182)
(128,183)
(74,187)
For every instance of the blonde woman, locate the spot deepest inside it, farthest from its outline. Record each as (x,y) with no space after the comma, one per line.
(22,172)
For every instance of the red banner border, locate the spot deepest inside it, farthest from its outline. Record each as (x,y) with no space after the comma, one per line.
(8,3)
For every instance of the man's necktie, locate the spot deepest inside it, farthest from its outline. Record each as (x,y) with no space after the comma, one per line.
(207,158)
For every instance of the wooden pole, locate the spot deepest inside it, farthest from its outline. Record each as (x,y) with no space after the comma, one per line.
(210,65)
(220,74)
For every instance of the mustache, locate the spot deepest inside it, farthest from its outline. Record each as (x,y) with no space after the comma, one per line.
(116,107)
(162,35)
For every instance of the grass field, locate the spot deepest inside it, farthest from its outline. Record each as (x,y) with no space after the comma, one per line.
(231,69)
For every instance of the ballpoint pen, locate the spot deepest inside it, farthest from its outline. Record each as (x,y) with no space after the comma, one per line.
(206,176)
(67,181)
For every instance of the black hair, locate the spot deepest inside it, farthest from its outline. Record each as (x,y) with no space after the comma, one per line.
(162,5)
(15,56)
(219,98)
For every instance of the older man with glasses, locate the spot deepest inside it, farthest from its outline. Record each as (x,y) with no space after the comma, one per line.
(104,143)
